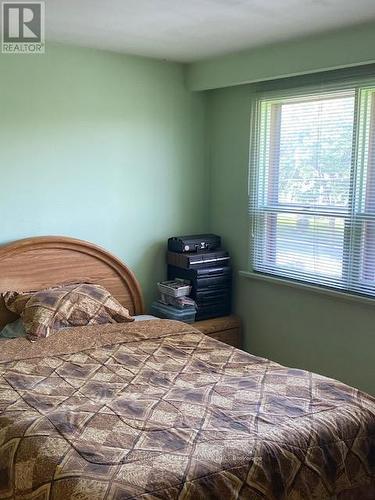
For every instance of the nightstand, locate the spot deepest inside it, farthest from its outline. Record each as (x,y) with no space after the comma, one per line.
(226,329)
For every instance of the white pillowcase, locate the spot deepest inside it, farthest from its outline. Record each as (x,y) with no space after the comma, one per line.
(144,317)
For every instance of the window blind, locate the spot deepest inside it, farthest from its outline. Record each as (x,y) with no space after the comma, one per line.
(312,184)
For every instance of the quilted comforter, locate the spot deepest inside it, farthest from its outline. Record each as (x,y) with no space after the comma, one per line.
(157,410)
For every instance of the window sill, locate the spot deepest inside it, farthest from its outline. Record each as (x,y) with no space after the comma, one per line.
(308,287)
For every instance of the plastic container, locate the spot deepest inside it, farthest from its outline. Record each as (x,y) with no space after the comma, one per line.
(178,302)
(175,288)
(164,311)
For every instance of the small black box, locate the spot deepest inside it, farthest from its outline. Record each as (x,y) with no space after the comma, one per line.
(213,311)
(198,260)
(194,243)
(211,277)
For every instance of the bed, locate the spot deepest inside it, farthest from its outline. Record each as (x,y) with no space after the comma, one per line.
(157,410)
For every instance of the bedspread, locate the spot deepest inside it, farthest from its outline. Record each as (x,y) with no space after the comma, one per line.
(157,410)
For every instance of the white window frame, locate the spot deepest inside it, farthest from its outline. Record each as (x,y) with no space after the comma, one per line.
(359,210)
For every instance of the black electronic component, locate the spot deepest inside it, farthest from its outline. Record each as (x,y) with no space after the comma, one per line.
(194,243)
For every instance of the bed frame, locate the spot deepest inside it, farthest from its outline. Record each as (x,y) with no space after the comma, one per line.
(36,263)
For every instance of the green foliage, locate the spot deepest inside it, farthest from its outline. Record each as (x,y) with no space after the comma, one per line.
(316,151)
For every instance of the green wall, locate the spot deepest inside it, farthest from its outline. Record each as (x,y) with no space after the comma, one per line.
(104,147)
(350,46)
(115,150)
(295,327)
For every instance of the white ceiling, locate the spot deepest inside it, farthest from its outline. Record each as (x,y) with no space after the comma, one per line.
(189,30)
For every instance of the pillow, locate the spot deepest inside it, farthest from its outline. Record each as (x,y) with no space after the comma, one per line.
(65,306)
(13,330)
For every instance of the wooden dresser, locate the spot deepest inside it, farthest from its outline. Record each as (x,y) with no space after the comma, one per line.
(226,329)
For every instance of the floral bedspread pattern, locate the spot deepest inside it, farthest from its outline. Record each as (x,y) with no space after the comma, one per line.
(159,411)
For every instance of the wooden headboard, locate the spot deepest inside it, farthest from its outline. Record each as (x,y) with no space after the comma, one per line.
(36,263)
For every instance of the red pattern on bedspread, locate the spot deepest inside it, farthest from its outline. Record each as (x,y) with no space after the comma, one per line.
(157,410)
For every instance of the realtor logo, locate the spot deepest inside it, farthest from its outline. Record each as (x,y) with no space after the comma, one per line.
(22,28)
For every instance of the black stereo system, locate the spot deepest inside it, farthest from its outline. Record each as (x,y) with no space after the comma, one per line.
(207,267)
(193,243)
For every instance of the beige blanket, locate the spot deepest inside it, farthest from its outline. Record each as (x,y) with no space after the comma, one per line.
(156,410)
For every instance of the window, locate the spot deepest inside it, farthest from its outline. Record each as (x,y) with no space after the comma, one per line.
(313,187)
